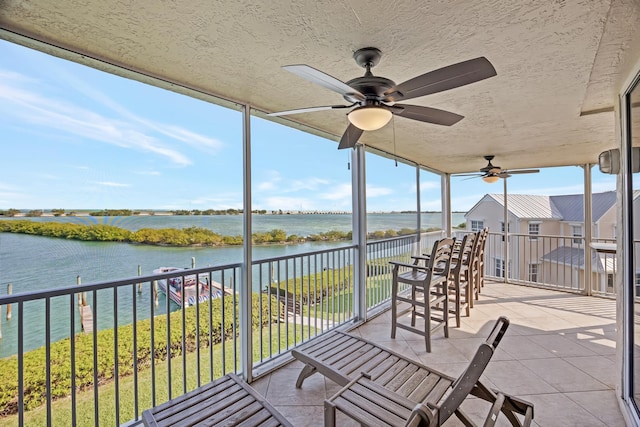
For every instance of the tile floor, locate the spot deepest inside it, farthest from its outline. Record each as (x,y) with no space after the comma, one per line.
(559,353)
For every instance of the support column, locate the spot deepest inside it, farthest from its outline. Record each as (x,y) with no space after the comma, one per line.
(359,235)
(506,232)
(418,245)
(445,195)
(588,231)
(246,351)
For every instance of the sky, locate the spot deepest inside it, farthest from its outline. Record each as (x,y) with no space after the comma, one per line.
(77,138)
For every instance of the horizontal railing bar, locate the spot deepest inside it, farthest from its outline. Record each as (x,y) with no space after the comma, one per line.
(302,254)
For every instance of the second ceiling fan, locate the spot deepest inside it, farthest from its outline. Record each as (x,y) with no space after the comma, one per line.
(492,173)
(372,99)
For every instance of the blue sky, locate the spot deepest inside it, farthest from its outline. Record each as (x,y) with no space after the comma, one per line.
(77,138)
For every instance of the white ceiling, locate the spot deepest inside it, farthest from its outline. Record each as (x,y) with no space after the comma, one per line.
(560,63)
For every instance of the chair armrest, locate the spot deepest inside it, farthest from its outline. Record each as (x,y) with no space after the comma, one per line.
(492,416)
(404,264)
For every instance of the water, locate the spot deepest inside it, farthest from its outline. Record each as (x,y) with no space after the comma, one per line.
(34,263)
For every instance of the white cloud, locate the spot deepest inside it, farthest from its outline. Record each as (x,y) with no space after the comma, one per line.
(129,131)
(286,203)
(111,184)
(150,173)
(338,192)
(374,191)
(231,200)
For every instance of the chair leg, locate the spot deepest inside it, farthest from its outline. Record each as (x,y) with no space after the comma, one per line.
(470,286)
(427,328)
(329,414)
(468,301)
(458,301)
(413,306)
(446,317)
(394,307)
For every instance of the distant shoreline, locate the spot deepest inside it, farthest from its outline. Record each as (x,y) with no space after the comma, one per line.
(90,213)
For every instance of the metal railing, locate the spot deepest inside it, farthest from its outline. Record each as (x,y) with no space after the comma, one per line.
(556,262)
(314,293)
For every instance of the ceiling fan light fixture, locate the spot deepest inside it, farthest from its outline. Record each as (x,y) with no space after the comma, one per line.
(369,117)
(490,179)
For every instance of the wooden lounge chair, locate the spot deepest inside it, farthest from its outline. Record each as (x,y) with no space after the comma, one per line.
(227,401)
(411,388)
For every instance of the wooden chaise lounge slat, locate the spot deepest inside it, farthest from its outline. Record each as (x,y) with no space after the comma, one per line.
(227,401)
(389,369)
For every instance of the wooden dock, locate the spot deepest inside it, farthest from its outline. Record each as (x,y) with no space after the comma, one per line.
(86,318)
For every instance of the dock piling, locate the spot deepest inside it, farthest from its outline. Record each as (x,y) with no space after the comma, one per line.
(86,315)
(139,274)
(155,292)
(193,262)
(79,282)
(9,292)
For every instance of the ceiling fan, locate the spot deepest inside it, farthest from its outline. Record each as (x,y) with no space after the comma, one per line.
(492,173)
(372,99)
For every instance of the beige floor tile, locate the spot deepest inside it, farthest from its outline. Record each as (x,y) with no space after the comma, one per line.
(562,375)
(602,404)
(602,368)
(302,415)
(514,378)
(282,389)
(557,410)
(561,346)
(523,347)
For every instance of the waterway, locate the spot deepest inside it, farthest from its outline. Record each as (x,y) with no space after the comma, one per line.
(32,263)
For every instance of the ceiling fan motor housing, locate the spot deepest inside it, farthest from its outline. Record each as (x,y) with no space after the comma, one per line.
(372,87)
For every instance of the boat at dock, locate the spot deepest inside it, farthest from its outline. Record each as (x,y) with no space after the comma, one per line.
(195,289)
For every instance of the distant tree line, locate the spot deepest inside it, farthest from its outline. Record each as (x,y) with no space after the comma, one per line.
(190,236)
(128,212)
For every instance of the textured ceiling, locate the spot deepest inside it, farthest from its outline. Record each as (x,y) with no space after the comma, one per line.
(560,63)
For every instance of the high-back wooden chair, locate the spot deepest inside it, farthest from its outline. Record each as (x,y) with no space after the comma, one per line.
(425,291)
(460,280)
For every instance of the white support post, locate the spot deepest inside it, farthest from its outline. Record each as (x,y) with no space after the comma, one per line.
(246,351)
(419,210)
(445,195)
(359,221)
(506,232)
(588,230)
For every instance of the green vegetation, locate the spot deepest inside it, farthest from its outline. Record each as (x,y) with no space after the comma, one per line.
(34,361)
(112,212)
(315,287)
(9,212)
(190,236)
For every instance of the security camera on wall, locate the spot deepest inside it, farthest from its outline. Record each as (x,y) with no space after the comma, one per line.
(609,161)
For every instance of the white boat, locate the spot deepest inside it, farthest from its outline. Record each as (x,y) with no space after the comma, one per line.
(192,293)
